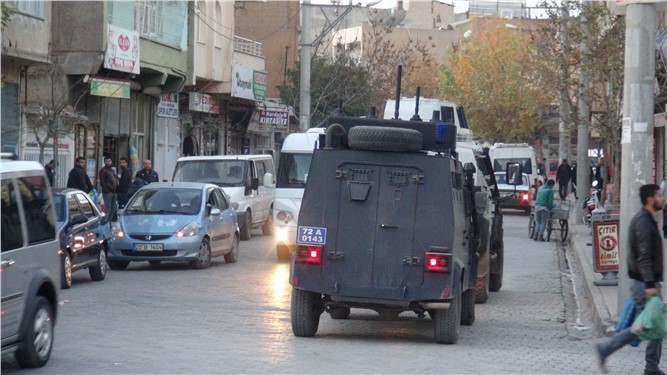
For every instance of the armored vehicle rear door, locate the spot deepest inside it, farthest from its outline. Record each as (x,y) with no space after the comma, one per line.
(376,228)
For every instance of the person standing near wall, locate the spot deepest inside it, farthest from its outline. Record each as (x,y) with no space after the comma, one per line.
(190,144)
(109,185)
(124,183)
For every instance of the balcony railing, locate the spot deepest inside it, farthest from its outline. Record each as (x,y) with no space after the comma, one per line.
(247,46)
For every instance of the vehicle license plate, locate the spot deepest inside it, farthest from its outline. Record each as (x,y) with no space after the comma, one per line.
(148,247)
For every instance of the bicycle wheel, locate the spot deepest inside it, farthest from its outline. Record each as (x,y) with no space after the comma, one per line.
(531,224)
(564,229)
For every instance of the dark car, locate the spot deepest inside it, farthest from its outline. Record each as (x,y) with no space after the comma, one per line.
(83,231)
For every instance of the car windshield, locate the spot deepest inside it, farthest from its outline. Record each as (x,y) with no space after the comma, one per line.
(500,164)
(220,172)
(500,179)
(293,170)
(165,201)
(59,201)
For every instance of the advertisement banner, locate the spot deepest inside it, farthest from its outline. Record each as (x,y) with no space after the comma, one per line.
(168,105)
(273,121)
(248,83)
(109,88)
(203,103)
(605,246)
(122,52)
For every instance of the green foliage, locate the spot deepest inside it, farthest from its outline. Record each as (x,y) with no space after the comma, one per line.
(6,14)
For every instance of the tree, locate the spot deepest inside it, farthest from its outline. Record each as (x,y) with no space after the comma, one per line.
(496,76)
(7,13)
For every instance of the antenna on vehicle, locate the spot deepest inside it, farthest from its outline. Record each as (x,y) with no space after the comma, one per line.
(416,115)
(398,91)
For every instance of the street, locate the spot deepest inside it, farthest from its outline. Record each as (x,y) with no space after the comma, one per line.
(235,318)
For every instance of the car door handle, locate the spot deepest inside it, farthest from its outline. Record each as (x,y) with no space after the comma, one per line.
(7,263)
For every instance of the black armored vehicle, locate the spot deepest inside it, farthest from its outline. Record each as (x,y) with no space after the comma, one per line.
(387,223)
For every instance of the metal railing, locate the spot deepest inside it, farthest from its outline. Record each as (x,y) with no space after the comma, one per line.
(247,46)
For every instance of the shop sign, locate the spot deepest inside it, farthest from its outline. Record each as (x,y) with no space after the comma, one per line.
(109,88)
(605,246)
(248,83)
(122,52)
(273,121)
(203,103)
(168,105)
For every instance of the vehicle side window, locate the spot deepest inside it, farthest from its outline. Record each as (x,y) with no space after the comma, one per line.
(12,232)
(210,201)
(85,206)
(222,202)
(37,209)
(251,169)
(260,172)
(74,209)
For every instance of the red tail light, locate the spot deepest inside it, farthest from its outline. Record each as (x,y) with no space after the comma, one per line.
(309,254)
(525,197)
(436,262)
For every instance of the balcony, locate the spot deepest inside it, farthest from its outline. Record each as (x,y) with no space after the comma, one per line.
(247,46)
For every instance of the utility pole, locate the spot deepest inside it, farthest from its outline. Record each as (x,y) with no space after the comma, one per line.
(637,129)
(305,56)
(583,167)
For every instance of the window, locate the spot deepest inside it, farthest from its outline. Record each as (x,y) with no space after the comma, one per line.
(201,22)
(74,209)
(293,170)
(148,17)
(260,172)
(222,202)
(37,209)
(33,8)
(86,207)
(10,225)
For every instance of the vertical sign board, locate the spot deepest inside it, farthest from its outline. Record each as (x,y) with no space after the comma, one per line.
(605,246)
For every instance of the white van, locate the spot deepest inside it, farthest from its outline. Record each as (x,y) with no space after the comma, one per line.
(248,180)
(293,167)
(30,262)
(450,112)
(503,153)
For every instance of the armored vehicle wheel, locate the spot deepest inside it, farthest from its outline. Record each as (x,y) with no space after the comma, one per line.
(468,307)
(496,277)
(339,312)
(446,322)
(376,138)
(305,312)
(482,289)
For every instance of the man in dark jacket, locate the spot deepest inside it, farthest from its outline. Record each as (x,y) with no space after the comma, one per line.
(147,173)
(78,178)
(124,183)
(645,271)
(190,144)
(109,185)
(563,176)
(50,171)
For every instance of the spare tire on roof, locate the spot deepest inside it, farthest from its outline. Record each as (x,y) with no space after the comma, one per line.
(381,138)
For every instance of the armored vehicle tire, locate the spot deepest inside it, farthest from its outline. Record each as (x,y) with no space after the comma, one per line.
(482,289)
(339,312)
(118,265)
(468,307)
(246,227)
(446,322)
(376,138)
(305,312)
(282,252)
(267,227)
(496,279)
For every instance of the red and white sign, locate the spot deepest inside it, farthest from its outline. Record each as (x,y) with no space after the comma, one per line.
(122,52)
(605,246)
(203,103)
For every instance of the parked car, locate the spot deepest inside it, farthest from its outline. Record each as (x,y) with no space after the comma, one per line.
(518,197)
(84,235)
(181,221)
(30,264)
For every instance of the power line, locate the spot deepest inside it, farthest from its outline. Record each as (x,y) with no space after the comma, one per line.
(213,28)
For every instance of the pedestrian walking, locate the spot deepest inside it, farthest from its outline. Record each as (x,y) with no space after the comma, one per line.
(109,185)
(78,178)
(543,205)
(147,173)
(645,272)
(124,183)
(50,171)
(190,144)
(542,168)
(563,176)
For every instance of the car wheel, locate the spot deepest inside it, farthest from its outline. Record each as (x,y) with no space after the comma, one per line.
(233,255)
(246,228)
(305,312)
(66,276)
(99,270)
(446,322)
(118,265)
(204,256)
(38,336)
(154,262)
(267,228)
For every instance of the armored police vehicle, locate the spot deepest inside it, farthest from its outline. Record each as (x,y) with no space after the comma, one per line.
(387,223)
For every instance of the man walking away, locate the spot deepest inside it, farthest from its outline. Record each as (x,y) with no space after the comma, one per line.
(50,171)
(645,271)
(78,178)
(124,183)
(543,205)
(563,176)
(147,173)
(190,144)
(109,184)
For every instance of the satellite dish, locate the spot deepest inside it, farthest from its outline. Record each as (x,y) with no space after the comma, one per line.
(389,17)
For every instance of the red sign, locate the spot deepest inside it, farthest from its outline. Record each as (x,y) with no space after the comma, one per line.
(605,246)
(124,42)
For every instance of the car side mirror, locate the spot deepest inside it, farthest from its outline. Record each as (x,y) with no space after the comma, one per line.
(268,180)
(78,219)
(514,174)
(215,211)
(254,183)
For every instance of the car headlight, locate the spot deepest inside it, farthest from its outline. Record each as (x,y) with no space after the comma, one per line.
(285,216)
(116,231)
(281,234)
(188,231)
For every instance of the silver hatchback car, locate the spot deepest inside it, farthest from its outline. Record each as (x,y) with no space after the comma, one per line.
(181,221)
